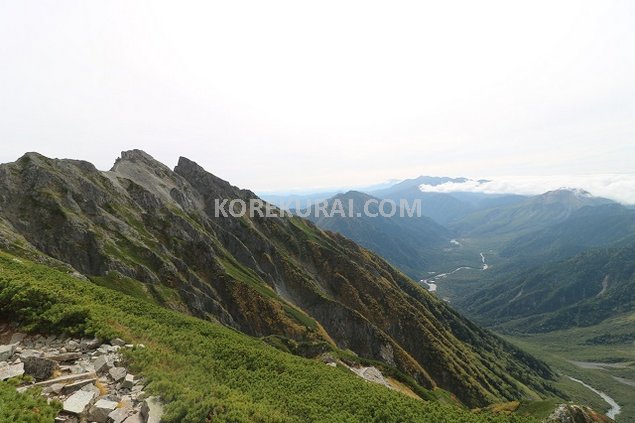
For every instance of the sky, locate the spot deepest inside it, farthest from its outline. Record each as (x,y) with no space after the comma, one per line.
(275,96)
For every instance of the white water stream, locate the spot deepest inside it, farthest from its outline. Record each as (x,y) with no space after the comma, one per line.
(615,407)
(432,282)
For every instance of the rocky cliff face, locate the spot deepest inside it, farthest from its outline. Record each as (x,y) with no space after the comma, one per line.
(142,222)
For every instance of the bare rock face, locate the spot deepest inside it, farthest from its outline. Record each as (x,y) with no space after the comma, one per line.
(571,413)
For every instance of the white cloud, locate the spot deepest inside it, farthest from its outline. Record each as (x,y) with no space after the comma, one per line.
(618,187)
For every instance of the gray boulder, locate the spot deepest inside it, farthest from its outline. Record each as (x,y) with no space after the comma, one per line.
(100,411)
(9,371)
(39,367)
(152,410)
(102,364)
(118,373)
(78,402)
(135,418)
(128,382)
(16,338)
(7,351)
(118,342)
(120,414)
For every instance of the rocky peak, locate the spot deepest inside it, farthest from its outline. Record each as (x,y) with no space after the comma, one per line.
(155,177)
(209,185)
(139,159)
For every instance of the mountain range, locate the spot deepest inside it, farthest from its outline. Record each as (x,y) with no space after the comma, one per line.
(151,232)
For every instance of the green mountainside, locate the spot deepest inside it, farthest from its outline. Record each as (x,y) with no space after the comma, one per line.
(532,214)
(152,233)
(409,243)
(586,228)
(203,370)
(581,291)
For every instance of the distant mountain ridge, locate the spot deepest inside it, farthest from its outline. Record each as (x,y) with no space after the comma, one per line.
(407,242)
(586,228)
(528,215)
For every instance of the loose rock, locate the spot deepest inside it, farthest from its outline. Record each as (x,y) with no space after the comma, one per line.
(117,373)
(10,371)
(39,367)
(100,411)
(78,402)
(7,351)
(152,410)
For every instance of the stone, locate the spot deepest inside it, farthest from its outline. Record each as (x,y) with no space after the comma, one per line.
(39,367)
(64,357)
(100,411)
(89,344)
(16,338)
(78,402)
(7,351)
(120,414)
(65,379)
(118,342)
(10,371)
(117,373)
(74,386)
(92,388)
(152,410)
(56,388)
(135,418)
(102,364)
(72,345)
(128,382)
(30,353)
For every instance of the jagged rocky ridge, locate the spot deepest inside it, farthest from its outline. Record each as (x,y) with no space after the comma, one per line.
(142,222)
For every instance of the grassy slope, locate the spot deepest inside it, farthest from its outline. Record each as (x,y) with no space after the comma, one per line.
(204,370)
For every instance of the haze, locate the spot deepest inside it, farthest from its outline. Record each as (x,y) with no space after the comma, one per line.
(281,95)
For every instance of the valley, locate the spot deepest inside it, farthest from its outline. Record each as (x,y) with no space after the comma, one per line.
(146,233)
(553,274)
(280,295)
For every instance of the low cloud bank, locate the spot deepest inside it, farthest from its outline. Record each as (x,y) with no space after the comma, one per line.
(617,187)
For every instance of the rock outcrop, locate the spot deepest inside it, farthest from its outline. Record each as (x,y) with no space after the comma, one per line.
(572,413)
(82,380)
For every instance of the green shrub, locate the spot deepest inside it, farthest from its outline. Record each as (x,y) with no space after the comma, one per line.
(204,371)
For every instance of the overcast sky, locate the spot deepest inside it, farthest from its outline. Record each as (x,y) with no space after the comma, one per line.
(276,95)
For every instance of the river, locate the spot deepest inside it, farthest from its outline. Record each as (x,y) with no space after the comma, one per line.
(615,407)
(432,282)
